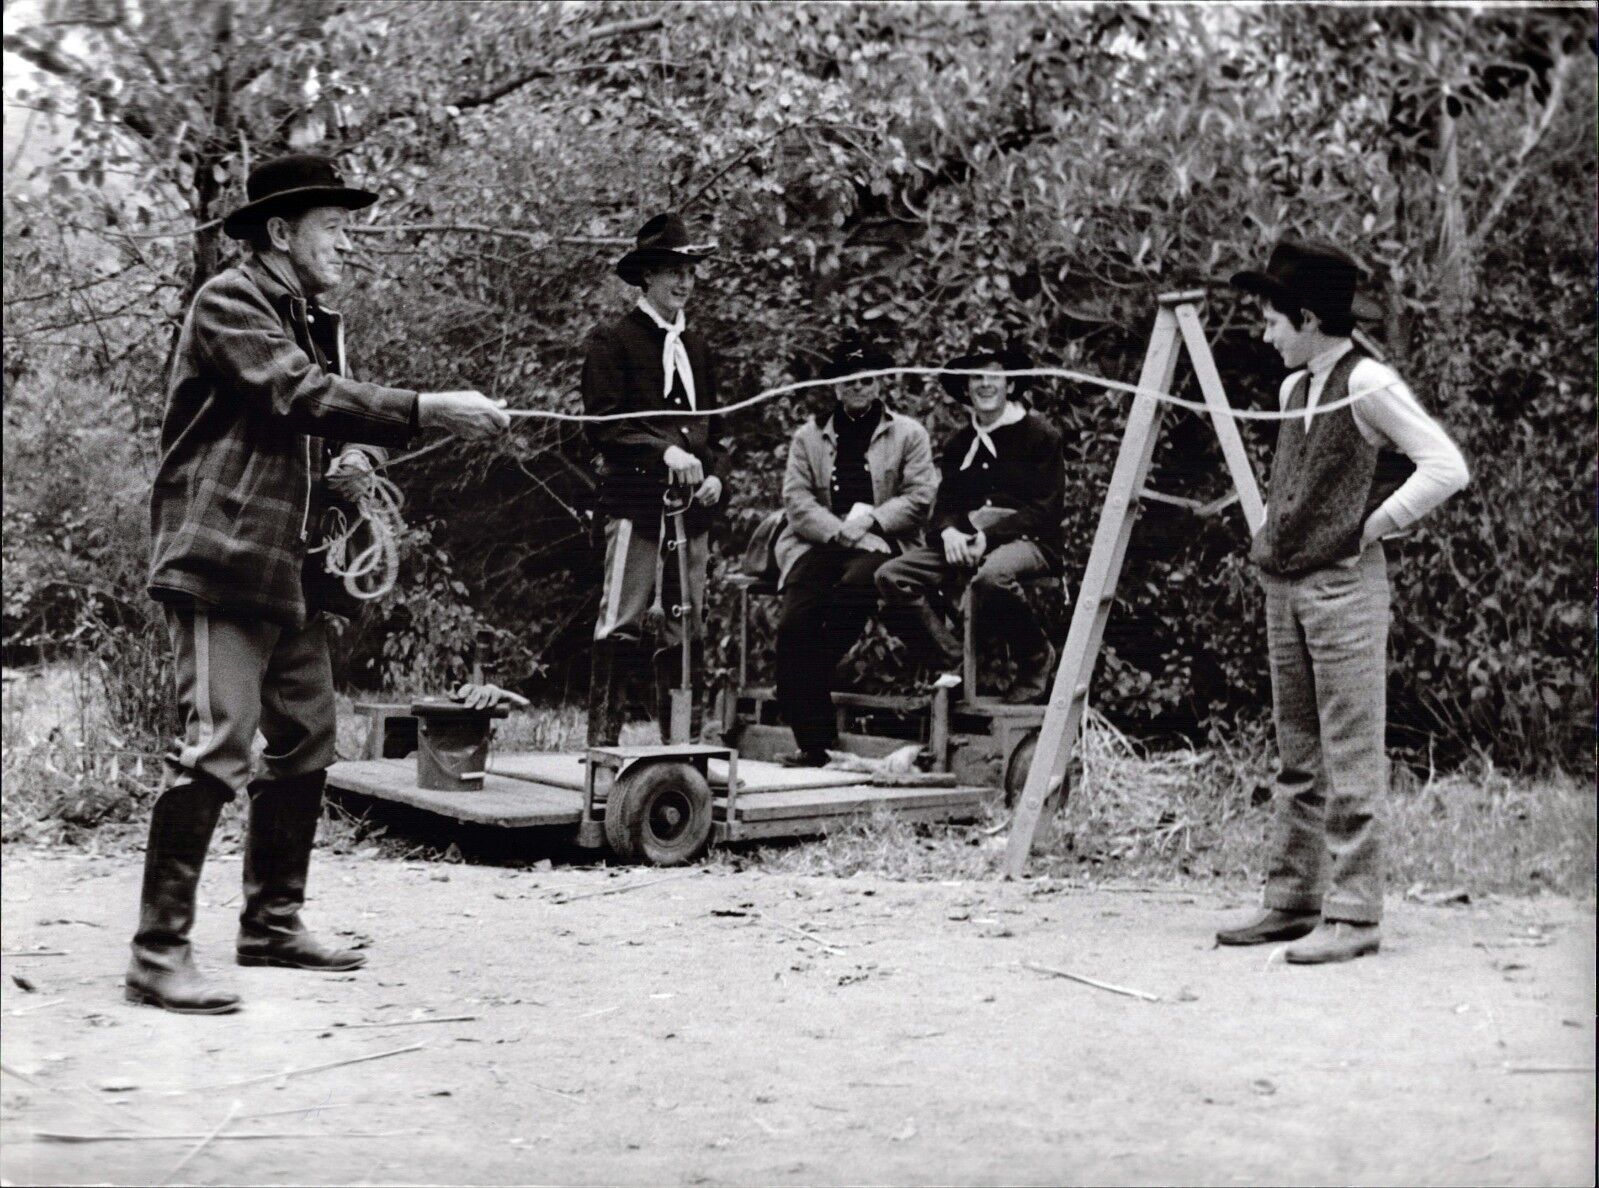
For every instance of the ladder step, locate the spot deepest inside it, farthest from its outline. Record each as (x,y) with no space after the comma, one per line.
(1174,500)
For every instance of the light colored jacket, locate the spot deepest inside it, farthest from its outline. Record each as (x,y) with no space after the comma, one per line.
(904,484)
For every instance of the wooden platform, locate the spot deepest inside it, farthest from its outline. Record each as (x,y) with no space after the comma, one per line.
(511,803)
(561,770)
(523,790)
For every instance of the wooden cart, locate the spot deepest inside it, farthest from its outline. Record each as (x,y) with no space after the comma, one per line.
(657,805)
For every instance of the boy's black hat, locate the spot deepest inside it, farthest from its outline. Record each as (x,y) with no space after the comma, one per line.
(1313,275)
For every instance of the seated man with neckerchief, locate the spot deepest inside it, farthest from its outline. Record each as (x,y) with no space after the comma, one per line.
(1000,500)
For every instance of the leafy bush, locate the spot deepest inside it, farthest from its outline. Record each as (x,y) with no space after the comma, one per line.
(924,172)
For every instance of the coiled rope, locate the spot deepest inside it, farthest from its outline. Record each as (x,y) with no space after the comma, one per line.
(369,570)
(379,500)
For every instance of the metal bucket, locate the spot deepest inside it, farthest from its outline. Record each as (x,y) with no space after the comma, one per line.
(452,745)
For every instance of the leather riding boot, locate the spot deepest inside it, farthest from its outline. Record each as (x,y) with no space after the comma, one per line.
(606,670)
(277,857)
(162,971)
(924,629)
(1033,674)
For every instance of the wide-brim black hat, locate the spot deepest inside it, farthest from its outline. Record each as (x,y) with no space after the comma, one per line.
(989,352)
(1313,275)
(662,242)
(854,356)
(288,185)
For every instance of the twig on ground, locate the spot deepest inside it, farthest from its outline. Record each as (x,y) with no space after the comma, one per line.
(297,1072)
(61,1136)
(1071,977)
(203,1143)
(801,933)
(620,890)
(602,1011)
(1549,1068)
(312,1109)
(37,1006)
(34,953)
(396,1023)
(556,1092)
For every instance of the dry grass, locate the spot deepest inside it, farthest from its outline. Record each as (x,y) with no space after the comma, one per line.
(1186,814)
(1204,814)
(65,771)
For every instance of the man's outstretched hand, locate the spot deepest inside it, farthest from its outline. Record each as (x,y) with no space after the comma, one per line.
(466,414)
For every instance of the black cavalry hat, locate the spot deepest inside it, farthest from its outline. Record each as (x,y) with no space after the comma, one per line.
(989,350)
(1313,275)
(289,185)
(662,240)
(855,355)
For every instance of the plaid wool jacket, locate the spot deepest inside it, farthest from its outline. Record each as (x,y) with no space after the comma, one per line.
(255,400)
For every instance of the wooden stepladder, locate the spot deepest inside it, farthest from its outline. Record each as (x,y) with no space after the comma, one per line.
(1177,326)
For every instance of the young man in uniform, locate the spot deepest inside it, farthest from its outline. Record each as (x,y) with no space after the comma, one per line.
(644,361)
(857,490)
(259,393)
(1001,497)
(1331,500)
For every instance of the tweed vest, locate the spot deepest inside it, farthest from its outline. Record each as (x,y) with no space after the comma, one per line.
(1325,483)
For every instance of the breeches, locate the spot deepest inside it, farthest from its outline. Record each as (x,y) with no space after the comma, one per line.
(237,674)
(632,556)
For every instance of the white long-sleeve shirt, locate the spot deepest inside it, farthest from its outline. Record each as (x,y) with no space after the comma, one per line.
(1390,416)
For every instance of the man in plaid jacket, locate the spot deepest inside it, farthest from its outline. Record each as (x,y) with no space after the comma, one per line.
(258,396)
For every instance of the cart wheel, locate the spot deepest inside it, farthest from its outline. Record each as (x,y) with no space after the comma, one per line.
(1018,764)
(659,814)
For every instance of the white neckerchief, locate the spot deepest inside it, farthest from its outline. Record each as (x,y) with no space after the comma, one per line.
(674,357)
(1013,413)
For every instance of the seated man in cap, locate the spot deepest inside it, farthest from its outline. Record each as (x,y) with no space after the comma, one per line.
(648,361)
(1331,500)
(259,393)
(857,489)
(1001,497)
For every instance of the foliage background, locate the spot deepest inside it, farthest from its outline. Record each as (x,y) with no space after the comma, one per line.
(926,172)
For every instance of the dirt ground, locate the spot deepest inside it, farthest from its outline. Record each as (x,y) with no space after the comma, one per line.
(686,1032)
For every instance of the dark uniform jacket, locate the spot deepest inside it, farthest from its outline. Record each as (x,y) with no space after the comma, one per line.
(254,406)
(622,373)
(1028,477)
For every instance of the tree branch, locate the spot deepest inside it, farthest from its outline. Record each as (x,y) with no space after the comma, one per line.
(1530,140)
(495,94)
(26,298)
(599,33)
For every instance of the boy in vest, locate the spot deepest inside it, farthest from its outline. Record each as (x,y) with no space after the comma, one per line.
(645,361)
(1329,505)
(1001,496)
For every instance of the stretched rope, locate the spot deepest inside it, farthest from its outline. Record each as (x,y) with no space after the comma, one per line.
(1242,414)
(369,570)
(387,536)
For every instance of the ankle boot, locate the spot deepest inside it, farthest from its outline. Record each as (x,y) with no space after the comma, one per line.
(162,971)
(277,857)
(606,669)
